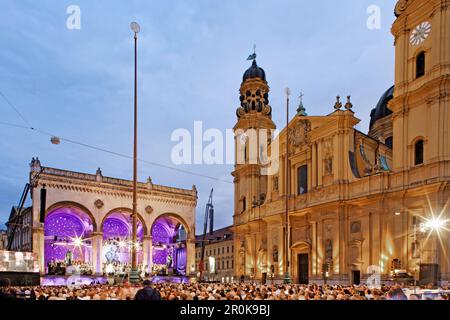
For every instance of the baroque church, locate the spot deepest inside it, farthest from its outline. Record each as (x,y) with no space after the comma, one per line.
(344,205)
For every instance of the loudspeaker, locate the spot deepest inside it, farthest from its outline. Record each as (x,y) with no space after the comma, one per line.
(43,200)
(211,220)
(429,273)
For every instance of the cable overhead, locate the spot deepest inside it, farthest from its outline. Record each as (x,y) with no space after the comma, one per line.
(122,155)
(15,109)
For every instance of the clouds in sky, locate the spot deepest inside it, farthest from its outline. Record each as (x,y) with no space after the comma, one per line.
(78,84)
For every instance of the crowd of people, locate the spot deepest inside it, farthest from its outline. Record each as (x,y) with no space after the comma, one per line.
(61,267)
(204,291)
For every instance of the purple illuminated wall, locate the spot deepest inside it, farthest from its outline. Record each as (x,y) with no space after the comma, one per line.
(118,226)
(164,233)
(65,224)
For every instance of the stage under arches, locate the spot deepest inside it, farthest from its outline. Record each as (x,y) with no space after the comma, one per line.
(72,247)
(81,280)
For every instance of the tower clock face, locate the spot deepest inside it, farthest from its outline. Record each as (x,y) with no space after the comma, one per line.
(420,33)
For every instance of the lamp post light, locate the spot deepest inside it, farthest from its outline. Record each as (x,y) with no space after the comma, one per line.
(287,278)
(134,273)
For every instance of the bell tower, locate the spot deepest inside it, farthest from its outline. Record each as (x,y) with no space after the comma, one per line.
(253,133)
(421,107)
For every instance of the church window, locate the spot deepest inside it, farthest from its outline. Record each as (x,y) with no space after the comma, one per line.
(244,204)
(389,142)
(418,152)
(420,64)
(302,180)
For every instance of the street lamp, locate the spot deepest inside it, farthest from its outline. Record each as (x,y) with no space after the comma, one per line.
(287,278)
(134,273)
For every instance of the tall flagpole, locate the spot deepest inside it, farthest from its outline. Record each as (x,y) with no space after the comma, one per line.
(134,274)
(287,278)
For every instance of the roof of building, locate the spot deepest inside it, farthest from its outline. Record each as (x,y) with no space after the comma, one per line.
(15,213)
(254,72)
(382,110)
(218,235)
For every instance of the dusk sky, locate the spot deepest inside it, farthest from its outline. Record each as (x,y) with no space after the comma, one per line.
(78,84)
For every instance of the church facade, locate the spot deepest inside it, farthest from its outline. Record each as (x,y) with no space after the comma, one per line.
(359,204)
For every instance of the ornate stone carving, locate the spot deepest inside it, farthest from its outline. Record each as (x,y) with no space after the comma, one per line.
(348,106)
(240,112)
(328,166)
(338,103)
(99,175)
(301,234)
(275,255)
(328,156)
(262,259)
(324,193)
(328,250)
(267,110)
(35,165)
(148,209)
(98,203)
(400,7)
(327,148)
(275,183)
(355,227)
(300,134)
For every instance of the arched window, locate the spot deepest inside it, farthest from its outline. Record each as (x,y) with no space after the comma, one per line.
(302,180)
(418,152)
(389,142)
(244,204)
(420,64)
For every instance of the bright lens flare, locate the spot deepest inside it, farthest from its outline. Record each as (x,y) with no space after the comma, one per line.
(435,224)
(77,242)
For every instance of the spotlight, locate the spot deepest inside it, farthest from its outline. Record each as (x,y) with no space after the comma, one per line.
(435,224)
(122,244)
(77,242)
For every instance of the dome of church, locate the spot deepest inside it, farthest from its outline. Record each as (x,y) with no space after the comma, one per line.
(254,72)
(382,110)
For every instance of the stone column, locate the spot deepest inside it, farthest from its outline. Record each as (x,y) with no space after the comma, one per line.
(314,166)
(319,164)
(342,215)
(190,256)
(97,247)
(147,254)
(314,247)
(38,246)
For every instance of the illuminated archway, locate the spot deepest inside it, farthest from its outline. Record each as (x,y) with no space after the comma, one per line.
(68,229)
(169,234)
(117,240)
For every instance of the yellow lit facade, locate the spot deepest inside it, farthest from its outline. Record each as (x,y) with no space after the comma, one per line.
(358,202)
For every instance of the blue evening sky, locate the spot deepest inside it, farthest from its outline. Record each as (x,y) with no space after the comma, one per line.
(78,84)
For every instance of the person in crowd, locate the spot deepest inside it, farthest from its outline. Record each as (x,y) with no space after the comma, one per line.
(209,291)
(147,293)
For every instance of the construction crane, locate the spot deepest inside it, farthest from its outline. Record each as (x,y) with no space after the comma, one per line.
(209,215)
(19,209)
